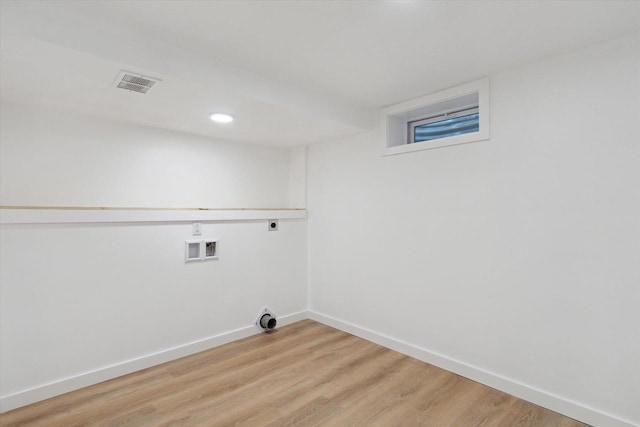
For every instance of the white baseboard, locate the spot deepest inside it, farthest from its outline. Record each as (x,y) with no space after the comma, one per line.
(542,398)
(85,379)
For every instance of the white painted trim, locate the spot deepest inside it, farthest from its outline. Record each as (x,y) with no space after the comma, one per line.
(542,398)
(86,379)
(70,216)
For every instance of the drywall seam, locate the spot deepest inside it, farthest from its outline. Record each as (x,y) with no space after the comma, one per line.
(542,398)
(86,379)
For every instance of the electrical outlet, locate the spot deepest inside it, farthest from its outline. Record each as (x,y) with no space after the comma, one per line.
(197,229)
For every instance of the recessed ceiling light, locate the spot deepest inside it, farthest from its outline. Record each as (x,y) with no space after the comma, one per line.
(221,118)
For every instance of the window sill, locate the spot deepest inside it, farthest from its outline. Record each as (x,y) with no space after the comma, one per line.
(437,143)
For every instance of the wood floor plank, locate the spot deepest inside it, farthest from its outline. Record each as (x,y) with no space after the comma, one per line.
(486,409)
(245,387)
(396,395)
(305,374)
(62,409)
(315,413)
(147,416)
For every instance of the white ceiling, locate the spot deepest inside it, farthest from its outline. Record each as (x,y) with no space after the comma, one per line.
(292,72)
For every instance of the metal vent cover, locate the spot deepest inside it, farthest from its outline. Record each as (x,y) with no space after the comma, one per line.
(135,82)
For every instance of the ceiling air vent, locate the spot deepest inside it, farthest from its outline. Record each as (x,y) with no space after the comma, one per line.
(135,82)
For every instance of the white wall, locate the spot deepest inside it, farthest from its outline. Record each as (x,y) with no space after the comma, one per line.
(52,157)
(298,177)
(85,300)
(519,255)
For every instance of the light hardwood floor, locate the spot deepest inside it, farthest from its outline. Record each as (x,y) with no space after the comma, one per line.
(305,374)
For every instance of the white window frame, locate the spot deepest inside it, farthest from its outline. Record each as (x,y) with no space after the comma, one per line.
(400,117)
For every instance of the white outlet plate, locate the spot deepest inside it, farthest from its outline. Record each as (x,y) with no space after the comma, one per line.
(197,229)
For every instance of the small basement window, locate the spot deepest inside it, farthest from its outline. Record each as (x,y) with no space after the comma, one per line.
(455,116)
(445,125)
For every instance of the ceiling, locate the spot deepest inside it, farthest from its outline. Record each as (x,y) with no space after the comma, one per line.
(291,72)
